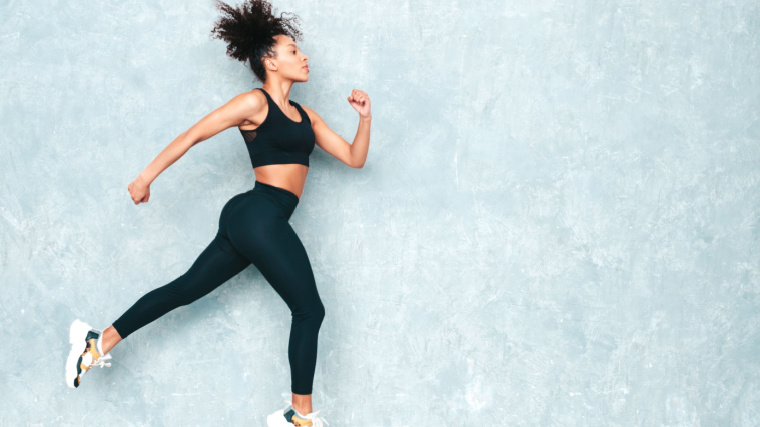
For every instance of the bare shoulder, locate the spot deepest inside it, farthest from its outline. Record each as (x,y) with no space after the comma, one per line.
(244,108)
(313,116)
(252,99)
(249,107)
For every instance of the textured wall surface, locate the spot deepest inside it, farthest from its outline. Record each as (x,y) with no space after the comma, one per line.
(557,224)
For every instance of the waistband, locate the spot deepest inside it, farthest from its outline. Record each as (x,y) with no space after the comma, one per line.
(286,198)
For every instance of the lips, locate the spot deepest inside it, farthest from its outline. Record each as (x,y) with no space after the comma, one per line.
(307,67)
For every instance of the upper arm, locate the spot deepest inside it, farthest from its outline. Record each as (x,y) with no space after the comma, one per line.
(328,140)
(233,113)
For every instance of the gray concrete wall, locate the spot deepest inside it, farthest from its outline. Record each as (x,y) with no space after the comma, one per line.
(557,224)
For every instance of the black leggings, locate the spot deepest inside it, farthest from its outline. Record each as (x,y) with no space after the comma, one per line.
(253,228)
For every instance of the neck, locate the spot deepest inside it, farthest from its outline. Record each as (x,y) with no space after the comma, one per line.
(279,92)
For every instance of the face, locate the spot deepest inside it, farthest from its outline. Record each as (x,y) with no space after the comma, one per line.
(290,61)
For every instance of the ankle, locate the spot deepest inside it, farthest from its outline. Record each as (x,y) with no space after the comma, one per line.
(110,338)
(302,403)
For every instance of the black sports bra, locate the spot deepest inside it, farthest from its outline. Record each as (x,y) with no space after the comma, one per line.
(280,140)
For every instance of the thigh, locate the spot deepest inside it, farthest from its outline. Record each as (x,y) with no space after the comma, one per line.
(259,231)
(216,264)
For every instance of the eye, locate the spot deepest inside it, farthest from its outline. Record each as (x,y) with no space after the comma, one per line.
(294,52)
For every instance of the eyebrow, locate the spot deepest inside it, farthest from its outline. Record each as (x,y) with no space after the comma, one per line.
(291,44)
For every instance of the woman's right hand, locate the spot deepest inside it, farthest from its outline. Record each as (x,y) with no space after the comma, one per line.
(139,189)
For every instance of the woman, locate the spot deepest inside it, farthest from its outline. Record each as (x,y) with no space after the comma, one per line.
(253,226)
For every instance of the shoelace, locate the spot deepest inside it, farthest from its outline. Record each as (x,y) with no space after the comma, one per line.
(316,422)
(101,362)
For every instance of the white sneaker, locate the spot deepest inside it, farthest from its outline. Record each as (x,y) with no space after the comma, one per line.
(289,417)
(86,352)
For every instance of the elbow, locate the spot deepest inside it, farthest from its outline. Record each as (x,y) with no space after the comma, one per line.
(190,140)
(351,159)
(353,163)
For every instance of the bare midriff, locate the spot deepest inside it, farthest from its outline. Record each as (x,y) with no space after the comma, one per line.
(291,177)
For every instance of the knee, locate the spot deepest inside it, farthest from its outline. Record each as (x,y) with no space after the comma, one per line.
(319,312)
(313,313)
(177,293)
(316,312)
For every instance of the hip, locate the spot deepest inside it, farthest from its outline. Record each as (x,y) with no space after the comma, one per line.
(262,201)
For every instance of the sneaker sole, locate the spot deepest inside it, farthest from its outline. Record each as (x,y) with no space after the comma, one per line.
(77,334)
(277,419)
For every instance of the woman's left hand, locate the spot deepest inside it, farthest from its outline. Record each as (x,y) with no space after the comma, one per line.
(360,101)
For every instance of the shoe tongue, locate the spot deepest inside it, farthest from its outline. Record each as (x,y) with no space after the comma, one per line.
(99,346)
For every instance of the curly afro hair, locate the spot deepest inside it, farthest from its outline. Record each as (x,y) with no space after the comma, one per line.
(249,31)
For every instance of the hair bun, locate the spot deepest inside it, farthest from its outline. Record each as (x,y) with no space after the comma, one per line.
(249,31)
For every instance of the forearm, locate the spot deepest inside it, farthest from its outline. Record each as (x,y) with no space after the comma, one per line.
(166,157)
(360,146)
